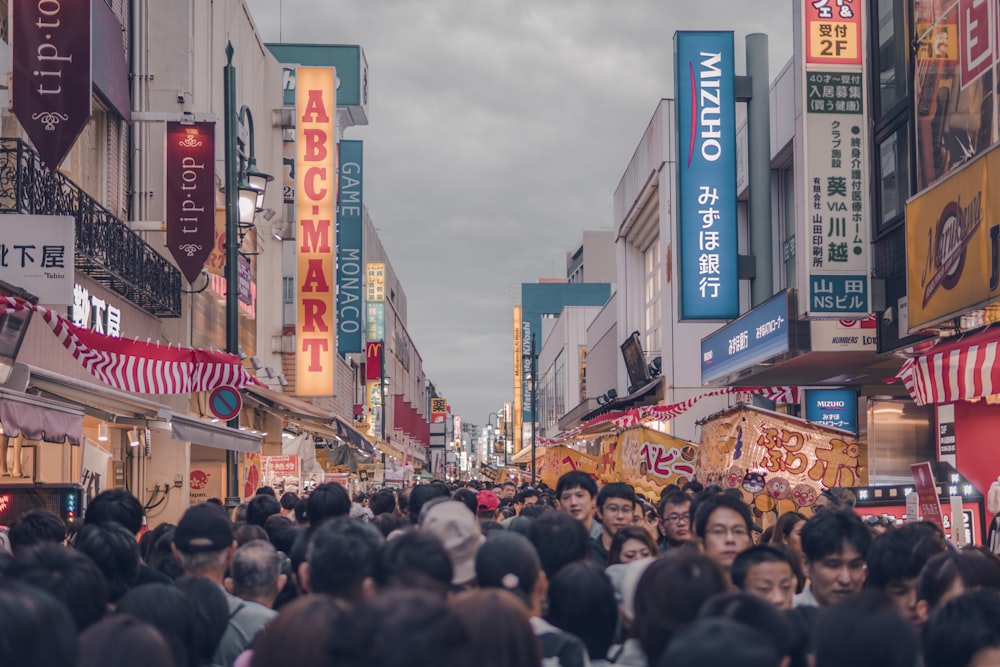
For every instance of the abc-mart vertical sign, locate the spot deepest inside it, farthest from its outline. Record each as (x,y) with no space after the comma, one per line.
(833,236)
(706,174)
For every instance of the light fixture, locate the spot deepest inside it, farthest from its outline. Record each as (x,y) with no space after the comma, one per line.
(282,380)
(242,353)
(255,362)
(269,372)
(612,394)
(133,437)
(258,180)
(247,205)
(102,431)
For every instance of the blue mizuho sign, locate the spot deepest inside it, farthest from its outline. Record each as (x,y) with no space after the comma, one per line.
(350,267)
(706,168)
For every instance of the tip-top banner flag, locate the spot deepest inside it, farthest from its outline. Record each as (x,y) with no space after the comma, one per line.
(706,168)
(50,50)
(190,195)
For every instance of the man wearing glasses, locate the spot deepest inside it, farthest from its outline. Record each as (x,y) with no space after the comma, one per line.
(615,509)
(723,527)
(675,521)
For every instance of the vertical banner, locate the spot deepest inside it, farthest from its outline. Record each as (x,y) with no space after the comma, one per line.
(315,197)
(375,301)
(190,195)
(51,73)
(834,236)
(518,415)
(350,225)
(930,502)
(706,174)
(373,386)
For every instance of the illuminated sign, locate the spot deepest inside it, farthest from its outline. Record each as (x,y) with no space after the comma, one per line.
(758,336)
(833,407)
(315,197)
(706,167)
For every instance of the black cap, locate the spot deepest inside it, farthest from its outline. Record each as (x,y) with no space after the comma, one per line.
(203,528)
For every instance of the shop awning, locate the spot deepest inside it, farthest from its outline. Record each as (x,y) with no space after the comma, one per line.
(200,432)
(965,368)
(308,416)
(354,436)
(36,418)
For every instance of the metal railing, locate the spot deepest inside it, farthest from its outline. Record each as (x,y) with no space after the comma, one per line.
(106,249)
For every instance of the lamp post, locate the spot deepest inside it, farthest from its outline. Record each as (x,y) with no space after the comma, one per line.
(245,187)
(489,424)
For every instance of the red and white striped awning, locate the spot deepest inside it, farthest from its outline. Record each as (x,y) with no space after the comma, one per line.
(956,369)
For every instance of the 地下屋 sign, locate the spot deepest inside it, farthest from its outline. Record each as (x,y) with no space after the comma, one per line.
(706,168)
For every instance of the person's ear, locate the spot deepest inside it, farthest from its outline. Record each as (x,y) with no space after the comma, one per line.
(541,586)
(282,582)
(228,584)
(304,577)
(368,589)
(922,610)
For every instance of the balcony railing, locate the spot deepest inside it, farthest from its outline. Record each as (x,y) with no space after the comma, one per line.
(106,249)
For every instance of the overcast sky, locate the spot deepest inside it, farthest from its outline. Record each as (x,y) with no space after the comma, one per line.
(498,132)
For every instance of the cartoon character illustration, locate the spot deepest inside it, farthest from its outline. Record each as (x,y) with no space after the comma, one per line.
(738,450)
(778,488)
(733,477)
(753,482)
(804,495)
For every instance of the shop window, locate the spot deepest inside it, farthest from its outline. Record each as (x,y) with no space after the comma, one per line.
(892,179)
(653,286)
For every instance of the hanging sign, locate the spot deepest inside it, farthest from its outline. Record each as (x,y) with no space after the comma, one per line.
(190,195)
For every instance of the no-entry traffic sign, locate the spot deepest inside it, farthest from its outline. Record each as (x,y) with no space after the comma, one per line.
(225,402)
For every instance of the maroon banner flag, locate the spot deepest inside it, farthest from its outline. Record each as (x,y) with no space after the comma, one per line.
(190,195)
(373,360)
(50,49)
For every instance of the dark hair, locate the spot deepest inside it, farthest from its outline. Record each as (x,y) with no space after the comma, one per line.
(288,500)
(703,510)
(69,576)
(831,531)
(716,642)
(147,543)
(383,502)
(675,498)
(244,532)
(266,491)
(783,527)
(468,498)
(260,508)
(255,570)
(414,559)
(34,528)
(865,630)
(558,539)
(123,640)
(116,505)
(166,608)
(625,534)
(281,532)
(210,614)
(161,556)
(901,554)
(582,602)
(300,510)
(325,501)
(37,629)
(521,496)
(974,569)
(800,622)
(669,595)
(313,630)
(499,631)
(423,493)
(388,522)
(755,613)
(509,561)
(616,490)
(533,511)
(762,553)
(340,555)
(576,479)
(961,628)
(115,552)
(695,486)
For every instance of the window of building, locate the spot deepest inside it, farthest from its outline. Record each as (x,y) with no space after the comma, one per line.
(288,289)
(653,286)
(890,54)
(786,215)
(893,177)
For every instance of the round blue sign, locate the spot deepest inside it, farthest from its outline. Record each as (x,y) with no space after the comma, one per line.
(225,402)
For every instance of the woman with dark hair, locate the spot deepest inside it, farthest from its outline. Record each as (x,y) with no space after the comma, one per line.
(499,631)
(670,594)
(582,602)
(211,615)
(122,641)
(631,543)
(166,608)
(783,527)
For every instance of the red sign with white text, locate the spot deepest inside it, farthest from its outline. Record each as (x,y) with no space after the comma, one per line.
(190,195)
(373,360)
(930,503)
(833,32)
(50,50)
(976,38)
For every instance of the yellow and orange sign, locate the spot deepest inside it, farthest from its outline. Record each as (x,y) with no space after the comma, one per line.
(833,31)
(315,205)
(953,244)
(647,459)
(553,462)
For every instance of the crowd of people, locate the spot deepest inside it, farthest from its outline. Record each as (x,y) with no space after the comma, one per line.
(496,576)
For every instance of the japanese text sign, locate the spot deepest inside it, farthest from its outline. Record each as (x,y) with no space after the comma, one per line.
(837,408)
(36,253)
(930,502)
(833,32)
(759,335)
(706,167)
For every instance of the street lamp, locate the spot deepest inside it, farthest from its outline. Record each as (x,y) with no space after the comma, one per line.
(245,186)
(489,424)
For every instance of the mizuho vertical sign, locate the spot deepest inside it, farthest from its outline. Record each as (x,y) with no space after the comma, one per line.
(706,168)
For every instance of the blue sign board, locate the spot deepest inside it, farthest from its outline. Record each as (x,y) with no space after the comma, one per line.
(833,407)
(706,174)
(350,270)
(838,295)
(759,335)
(349,59)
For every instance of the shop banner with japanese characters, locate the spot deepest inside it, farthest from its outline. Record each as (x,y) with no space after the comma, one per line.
(251,476)
(36,254)
(706,174)
(552,462)
(647,459)
(780,463)
(833,245)
(281,473)
(927,493)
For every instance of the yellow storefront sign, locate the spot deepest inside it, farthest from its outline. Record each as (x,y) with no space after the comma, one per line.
(952,234)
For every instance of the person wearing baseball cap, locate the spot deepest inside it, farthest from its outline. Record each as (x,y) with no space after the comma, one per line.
(486,506)
(204,546)
(452,523)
